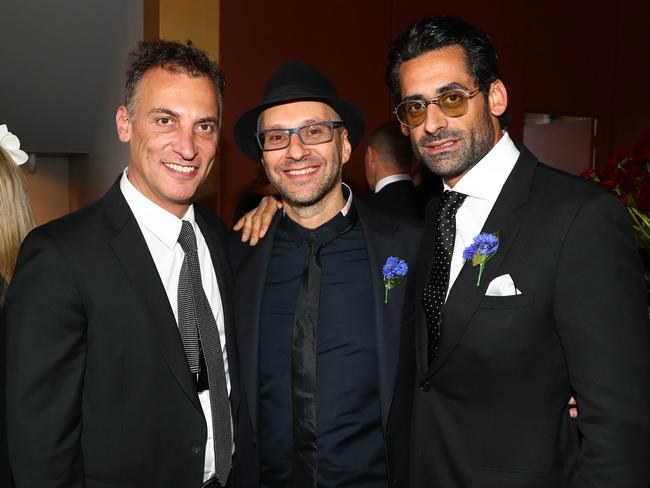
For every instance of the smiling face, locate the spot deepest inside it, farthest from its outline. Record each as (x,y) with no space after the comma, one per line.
(450,146)
(307,176)
(172,136)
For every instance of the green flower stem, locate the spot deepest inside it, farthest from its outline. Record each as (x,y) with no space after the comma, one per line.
(386,294)
(641,226)
(481,266)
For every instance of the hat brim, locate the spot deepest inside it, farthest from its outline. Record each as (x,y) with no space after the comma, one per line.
(246,125)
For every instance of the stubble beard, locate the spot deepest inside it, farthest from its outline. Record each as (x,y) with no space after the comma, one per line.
(322,190)
(474,145)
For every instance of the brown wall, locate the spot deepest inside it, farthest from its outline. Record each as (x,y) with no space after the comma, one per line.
(567,57)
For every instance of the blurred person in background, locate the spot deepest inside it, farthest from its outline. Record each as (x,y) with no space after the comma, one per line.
(16,220)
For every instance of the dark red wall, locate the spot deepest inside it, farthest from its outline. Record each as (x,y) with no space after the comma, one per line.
(567,57)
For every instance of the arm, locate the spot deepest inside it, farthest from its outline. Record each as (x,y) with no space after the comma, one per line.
(602,319)
(256,222)
(46,349)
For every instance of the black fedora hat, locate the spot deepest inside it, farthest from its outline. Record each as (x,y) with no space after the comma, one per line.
(295,81)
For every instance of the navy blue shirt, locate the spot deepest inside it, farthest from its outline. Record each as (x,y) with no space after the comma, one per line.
(350,438)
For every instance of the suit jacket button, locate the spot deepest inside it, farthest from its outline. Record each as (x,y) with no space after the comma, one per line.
(196,447)
(425,385)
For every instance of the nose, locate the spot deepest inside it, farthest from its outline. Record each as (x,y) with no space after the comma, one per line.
(185,144)
(435,119)
(296,150)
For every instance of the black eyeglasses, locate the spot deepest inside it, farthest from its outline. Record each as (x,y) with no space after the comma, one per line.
(452,103)
(312,134)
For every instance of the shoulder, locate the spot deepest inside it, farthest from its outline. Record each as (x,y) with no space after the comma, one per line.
(562,194)
(211,219)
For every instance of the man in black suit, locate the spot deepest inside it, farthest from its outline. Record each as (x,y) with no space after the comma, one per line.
(387,164)
(558,309)
(101,391)
(327,352)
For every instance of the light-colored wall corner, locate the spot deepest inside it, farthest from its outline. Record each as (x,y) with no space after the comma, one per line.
(48,188)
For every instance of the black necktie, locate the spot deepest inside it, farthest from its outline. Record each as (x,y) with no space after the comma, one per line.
(199,333)
(303,373)
(435,292)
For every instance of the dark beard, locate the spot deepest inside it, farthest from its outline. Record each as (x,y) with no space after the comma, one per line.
(475,144)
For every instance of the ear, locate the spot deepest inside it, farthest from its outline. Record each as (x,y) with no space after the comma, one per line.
(123,124)
(346,147)
(371,156)
(498,98)
(405,130)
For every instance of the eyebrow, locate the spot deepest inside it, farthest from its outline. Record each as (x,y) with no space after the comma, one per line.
(167,111)
(454,85)
(303,123)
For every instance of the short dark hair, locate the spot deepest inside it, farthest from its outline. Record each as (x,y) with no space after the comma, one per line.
(175,57)
(392,145)
(433,33)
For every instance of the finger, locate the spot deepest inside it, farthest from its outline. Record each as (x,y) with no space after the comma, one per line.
(261,220)
(239,224)
(246,229)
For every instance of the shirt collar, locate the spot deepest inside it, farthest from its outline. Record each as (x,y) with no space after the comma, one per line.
(387,180)
(164,225)
(486,178)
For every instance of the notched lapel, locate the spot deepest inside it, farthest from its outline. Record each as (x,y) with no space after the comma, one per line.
(132,252)
(250,279)
(382,243)
(464,296)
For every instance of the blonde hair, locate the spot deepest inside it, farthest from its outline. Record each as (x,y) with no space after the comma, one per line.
(16,217)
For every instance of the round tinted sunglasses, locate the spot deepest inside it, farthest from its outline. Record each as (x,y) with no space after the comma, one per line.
(452,103)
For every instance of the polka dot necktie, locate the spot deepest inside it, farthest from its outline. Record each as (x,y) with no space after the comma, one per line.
(435,292)
(199,333)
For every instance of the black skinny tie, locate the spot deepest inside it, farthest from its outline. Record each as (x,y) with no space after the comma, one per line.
(199,333)
(303,373)
(435,292)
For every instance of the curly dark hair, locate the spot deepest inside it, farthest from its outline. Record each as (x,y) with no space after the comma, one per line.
(175,57)
(432,33)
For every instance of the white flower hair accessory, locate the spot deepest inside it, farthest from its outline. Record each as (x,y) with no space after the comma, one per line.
(11,146)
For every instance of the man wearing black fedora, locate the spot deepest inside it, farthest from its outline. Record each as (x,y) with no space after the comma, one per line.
(326,357)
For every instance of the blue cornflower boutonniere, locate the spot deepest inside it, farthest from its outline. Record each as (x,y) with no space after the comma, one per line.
(395,270)
(483,247)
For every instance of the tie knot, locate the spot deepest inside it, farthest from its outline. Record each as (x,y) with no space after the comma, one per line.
(187,238)
(450,202)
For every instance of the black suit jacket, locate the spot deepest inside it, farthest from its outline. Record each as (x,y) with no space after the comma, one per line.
(398,199)
(99,391)
(385,236)
(491,409)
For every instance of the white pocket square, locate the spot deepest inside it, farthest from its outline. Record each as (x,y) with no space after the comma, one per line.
(502,286)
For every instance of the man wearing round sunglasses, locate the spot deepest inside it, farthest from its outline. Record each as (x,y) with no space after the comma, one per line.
(327,362)
(546,303)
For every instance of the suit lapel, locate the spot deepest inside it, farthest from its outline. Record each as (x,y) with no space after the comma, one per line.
(379,235)
(216,245)
(249,292)
(425,261)
(464,296)
(133,254)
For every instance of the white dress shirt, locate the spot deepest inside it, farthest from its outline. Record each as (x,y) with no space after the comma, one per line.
(387,180)
(161,230)
(482,185)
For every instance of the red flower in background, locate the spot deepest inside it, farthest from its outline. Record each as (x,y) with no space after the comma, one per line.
(628,177)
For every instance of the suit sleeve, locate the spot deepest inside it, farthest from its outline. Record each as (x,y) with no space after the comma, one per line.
(602,319)
(46,350)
